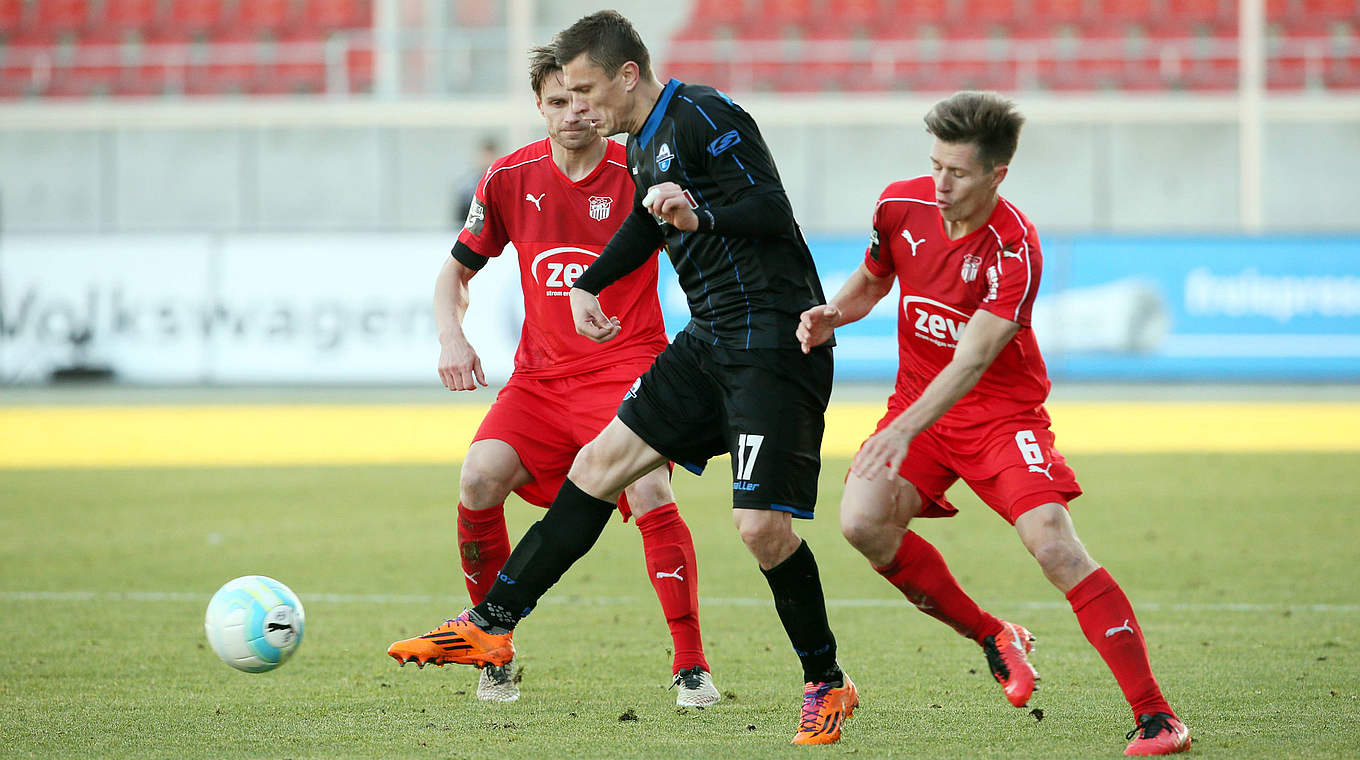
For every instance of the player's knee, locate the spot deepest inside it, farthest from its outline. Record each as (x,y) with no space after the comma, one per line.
(648,494)
(764,532)
(587,467)
(481,487)
(861,531)
(1062,558)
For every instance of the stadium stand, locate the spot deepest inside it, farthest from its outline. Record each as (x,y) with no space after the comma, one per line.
(83,48)
(1060,45)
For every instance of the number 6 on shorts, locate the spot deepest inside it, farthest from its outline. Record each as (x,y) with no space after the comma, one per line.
(1029,447)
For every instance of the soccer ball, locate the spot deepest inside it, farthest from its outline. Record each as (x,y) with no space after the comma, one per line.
(254,623)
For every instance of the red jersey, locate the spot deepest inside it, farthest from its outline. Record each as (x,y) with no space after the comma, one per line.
(942,282)
(558,227)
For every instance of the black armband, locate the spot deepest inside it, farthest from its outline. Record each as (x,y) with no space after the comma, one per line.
(468,257)
(635,242)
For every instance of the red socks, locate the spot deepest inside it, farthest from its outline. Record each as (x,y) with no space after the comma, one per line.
(483,547)
(669,553)
(1107,619)
(919,572)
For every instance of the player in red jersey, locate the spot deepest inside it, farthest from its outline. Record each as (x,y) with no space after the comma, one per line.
(969,404)
(558,200)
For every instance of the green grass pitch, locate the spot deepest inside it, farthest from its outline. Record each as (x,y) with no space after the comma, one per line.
(1245,570)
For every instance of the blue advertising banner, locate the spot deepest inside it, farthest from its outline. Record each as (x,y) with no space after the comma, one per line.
(1215,308)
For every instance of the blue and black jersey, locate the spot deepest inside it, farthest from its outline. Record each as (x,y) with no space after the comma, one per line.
(747,272)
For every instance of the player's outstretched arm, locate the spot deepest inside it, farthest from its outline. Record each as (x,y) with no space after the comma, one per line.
(460,368)
(983,338)
(667,202)
(633,243)
(855,300)
(589,318)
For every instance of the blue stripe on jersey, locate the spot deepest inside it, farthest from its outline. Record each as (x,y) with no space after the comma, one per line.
(806,514)
(658,112)
(702,113)
(742,166)
(700,109)
(736,269)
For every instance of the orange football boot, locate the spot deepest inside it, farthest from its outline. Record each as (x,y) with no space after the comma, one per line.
(1160,734)
(825,710)
(458,641)
(1006,656)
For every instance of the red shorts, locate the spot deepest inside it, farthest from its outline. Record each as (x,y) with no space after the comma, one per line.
(546,421)
(1011,464)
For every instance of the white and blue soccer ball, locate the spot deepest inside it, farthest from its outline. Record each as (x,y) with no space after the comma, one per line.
(254,623)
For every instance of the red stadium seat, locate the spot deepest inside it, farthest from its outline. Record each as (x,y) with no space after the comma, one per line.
(11,16)
(265,16)
(16,81)
(129,14)
(1059,11)
(189,18)
(1125,11)
(359,62)
(948,76)
(717,75)
(897,11)
(797,12)
(143,81)
(1287,73)
(300,68)
(853,12)
(220,79)
(1342,73)
(988,11)
(21,75)
(718,12)
(228,64)
(1341,10)
(1212,74)
(1200,11)
(61,15)
(1279,9)
(338,14)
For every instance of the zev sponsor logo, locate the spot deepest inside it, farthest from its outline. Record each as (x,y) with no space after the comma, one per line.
(558,276)
(938,323)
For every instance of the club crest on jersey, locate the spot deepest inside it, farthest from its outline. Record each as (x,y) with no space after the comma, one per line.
(971,263)
(475,218)
(599,207)
(664,157)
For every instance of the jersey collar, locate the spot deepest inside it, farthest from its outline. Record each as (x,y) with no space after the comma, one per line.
(658,112)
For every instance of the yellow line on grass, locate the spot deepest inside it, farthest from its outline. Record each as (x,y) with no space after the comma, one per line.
(268,434)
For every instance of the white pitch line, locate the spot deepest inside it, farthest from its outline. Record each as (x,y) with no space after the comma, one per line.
(601,601)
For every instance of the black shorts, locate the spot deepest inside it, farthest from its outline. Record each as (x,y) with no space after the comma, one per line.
(765,407)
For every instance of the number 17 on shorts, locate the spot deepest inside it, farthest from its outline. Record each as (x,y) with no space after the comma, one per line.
(748,449)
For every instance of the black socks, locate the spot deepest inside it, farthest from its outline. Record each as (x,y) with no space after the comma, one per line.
(801,606)
(570,528)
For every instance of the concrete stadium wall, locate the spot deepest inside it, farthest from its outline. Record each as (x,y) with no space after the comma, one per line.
(1068,177)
